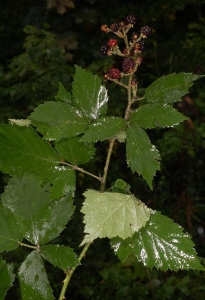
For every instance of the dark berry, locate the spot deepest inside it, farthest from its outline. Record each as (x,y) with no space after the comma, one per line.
(134,82)
(112,43)
(104,50)
(131,19)
(146,30)
(140,46)
(114,27)
(114,73)
(128,64)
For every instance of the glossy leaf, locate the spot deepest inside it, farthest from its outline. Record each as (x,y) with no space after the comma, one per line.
(33,279)
(6,278)
(74,151)
(170,88)
(90,96)
(112,214)
(104,128)
(63,95)
(161,243)
(20,122)
(57,120)
(142,156)
(29,201)
(21,148)
(156,115)
(60,256)
(10,232)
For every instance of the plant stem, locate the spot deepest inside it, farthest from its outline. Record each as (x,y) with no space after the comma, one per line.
(81,170)
(70,272)
(28,246)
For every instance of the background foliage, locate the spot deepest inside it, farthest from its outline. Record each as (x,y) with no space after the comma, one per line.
(34,57)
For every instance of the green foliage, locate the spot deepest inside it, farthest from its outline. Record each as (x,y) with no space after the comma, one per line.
(42,156)
(6,277)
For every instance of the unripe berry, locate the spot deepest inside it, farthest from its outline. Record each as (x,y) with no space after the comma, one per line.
(104,28)
(112,43)
(113,73)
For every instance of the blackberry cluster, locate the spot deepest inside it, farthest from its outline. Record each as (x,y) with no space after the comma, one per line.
(128,64)
(113,73)
(131,19)
(140,46)
(146,30)
(104,50)
(115,27)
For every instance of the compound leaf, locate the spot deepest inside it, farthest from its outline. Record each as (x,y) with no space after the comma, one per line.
(90,96)
(156,115)
(57,120)
(33,278)
(60,256)
(112,214)
(161,243)
(74,151)
(104,128)
(6,278)
(142,156)
(170,88)
(63,95)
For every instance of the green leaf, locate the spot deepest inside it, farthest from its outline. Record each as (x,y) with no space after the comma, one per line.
(142,156)
(21,148)
(74,151)
(156,115)
(29,201)
(33,279)
(63,95)
(121,136)
(170,88)
(112,214)
(104,128)
(20,122)
(10,232)
(57,120)
(161,243)
(6,278)
(90,96)
(60,256)
(120,186)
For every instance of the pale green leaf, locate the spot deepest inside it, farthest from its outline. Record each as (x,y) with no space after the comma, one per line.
(57,120)
(112,214)
(170,88)
(60,256)
(21,148)
(33,279)
(156,115)
(90,96)
(104,128)
(20,122)
(121,136)
(10,233)
(74,151)
(63,95)
(161,243)
(6,278)
(142,156)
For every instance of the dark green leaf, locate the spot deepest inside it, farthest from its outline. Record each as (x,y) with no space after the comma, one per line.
(120,186)
(60,256)
(29,201)
(57,120)
(33,279)
(6,278)
(156,115)
(90,96)
(142,156)
(22,149)
(161,243)
(74,151)
(112,214)
(10,232)
(104,128)
(63,95)
(170,88)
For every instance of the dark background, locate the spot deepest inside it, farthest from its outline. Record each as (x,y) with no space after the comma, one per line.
(29,75)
